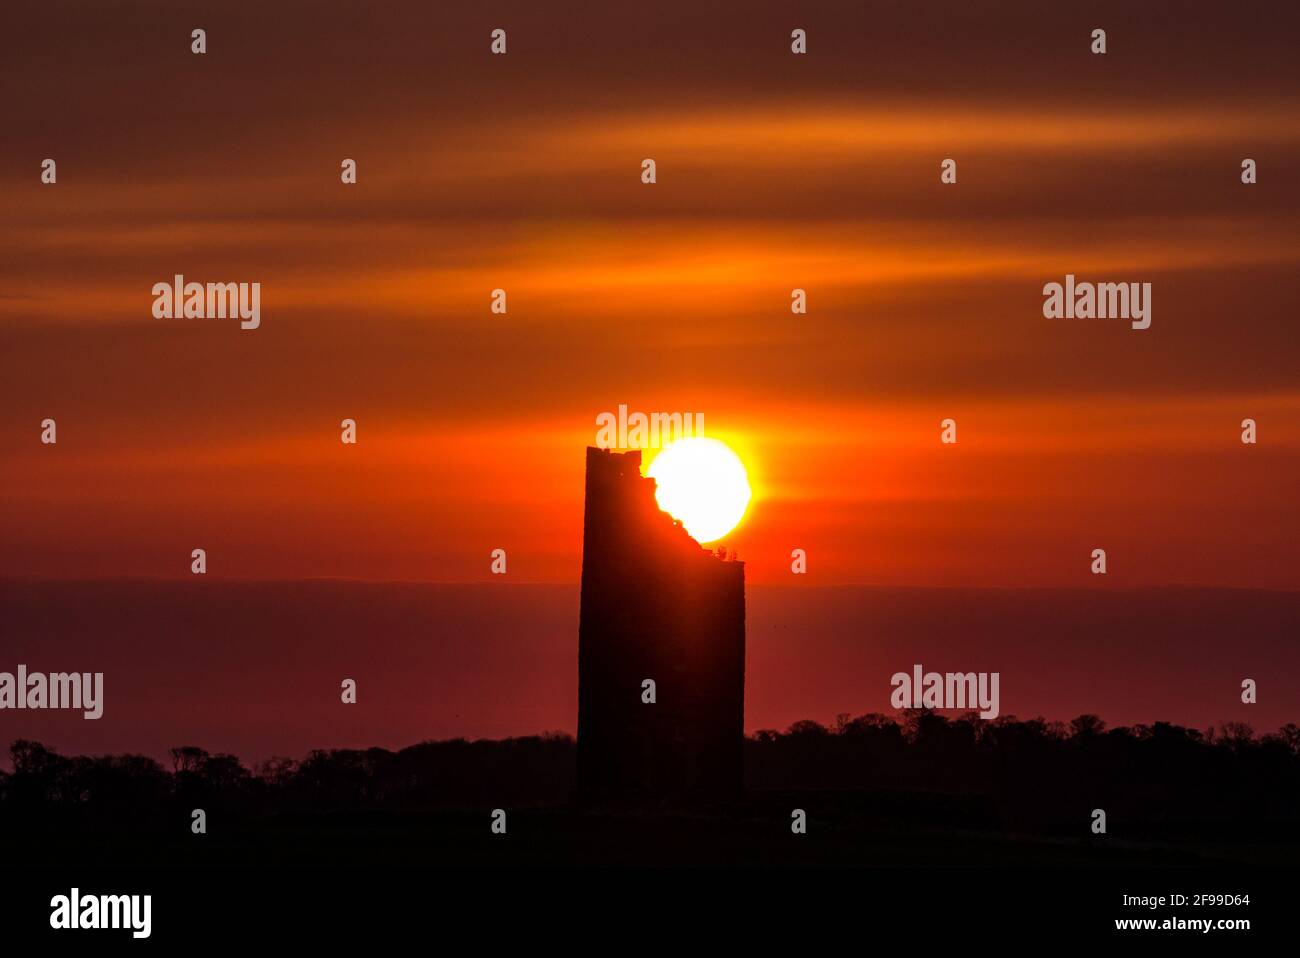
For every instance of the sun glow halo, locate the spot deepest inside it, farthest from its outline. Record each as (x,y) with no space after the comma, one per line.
(702,483)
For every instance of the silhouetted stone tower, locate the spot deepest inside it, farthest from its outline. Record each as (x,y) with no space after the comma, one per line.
(655,605)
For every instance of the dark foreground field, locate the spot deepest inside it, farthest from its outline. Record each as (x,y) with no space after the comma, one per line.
(851,828)
(916,863)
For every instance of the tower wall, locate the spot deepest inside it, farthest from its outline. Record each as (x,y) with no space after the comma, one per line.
(655,605)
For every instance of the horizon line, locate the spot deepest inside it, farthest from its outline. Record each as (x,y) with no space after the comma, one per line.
(576,583)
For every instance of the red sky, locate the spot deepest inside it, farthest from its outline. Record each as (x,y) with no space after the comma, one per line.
(255,668)
(775,171)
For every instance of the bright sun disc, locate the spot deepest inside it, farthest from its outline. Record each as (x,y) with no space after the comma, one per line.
(702,483)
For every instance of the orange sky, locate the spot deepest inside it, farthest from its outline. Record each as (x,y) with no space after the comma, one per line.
(775,171)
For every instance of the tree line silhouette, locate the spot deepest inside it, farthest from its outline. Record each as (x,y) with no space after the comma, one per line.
(1029,776)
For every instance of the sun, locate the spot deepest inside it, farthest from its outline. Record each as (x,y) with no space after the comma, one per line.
(702,483)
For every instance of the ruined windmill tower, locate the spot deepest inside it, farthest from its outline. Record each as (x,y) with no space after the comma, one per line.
(655,605)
